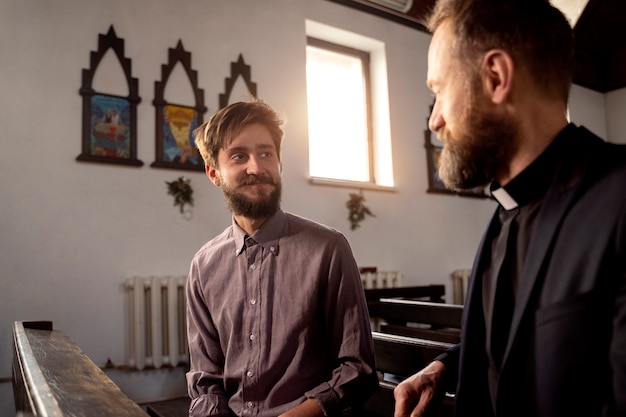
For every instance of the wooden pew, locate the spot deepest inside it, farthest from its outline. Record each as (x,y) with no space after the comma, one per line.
(398,357)
(433,293)
(53,377)
(422,319)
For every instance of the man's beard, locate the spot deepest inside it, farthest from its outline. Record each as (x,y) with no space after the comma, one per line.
(483,145)
(263,207)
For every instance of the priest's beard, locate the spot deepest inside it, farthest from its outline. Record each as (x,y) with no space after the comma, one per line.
(261,207)
(483,144)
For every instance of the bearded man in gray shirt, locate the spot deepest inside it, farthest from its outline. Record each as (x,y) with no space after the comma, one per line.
(277,319)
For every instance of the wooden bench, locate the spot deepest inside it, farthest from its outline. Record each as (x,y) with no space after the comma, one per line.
(398,357)
(53,377)
(422,319)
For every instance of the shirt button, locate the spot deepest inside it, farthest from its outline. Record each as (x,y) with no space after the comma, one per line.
(253,301)
(253,267)
(251,337)
(250,404)
(272,249)
(249,373)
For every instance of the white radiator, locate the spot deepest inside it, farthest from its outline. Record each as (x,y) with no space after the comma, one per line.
(381,279)
(460,278)
(157,322)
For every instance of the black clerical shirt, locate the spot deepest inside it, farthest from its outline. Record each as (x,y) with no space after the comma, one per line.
(509,237)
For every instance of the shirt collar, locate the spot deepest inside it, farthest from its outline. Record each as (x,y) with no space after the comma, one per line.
(502,197)
(267,236)
(534,180)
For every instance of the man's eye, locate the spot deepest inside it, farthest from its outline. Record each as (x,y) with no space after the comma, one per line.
(266,154)
(237,157)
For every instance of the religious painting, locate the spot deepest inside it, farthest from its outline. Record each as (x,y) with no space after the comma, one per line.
(179,122)
(109,132)
(175,123)
(110,127)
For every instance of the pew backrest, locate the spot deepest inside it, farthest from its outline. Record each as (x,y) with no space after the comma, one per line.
(433,293)
(421,319)
(402,356)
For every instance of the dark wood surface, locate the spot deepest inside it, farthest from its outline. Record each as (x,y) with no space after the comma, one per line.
(177,407)
(434,293)
(447,335)
(402,356)
(416,311)
(417,318)
(53,377)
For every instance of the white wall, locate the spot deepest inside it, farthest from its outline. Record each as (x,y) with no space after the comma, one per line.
(587,108)
(71,233)
(616,116)
(603,114)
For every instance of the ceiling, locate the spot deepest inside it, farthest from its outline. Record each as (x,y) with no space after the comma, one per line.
(599,30)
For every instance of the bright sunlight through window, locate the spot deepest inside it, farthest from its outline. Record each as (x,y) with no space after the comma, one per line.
(339,144)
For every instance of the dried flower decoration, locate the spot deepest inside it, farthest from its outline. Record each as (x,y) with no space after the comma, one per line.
(183,194)
(357,210)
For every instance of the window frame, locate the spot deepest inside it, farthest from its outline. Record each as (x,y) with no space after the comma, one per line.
(364,57)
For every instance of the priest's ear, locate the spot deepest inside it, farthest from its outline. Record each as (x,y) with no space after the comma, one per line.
(497,71)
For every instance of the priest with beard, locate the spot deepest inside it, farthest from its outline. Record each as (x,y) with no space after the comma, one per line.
(276,315)
(544,321)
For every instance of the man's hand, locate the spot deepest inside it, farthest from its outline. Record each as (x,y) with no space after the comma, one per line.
(415,393)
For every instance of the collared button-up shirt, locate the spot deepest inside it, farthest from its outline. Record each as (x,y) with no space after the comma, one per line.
(276,318)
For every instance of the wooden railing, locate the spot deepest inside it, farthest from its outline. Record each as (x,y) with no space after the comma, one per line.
(53,377)
(432,293)
(422,319)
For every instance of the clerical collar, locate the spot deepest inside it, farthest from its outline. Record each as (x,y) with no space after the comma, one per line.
(502,197)
(534,180)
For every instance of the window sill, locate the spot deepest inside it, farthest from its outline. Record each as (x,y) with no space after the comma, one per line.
(351,184)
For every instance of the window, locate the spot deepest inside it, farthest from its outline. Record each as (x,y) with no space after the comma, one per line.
(337,98)
(349,139)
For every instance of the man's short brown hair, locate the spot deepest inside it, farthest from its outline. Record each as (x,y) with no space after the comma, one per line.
(227,123)
(536,35)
